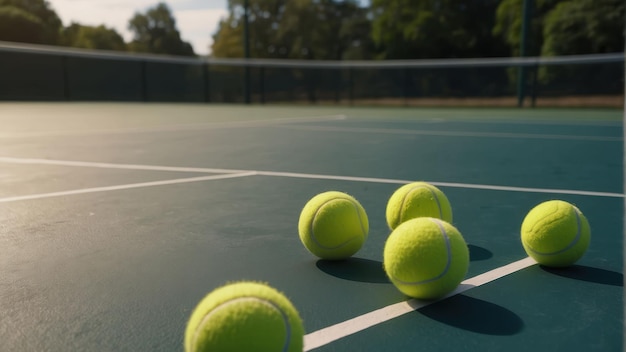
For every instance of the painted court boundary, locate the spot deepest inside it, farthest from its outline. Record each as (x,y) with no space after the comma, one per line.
(243,173)
(454,133)
(335,332)
(180,127)
(120,187)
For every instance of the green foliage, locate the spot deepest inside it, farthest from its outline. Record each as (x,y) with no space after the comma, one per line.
(561,27)
(297,29)
(584,26)
(17,25)
(37,9)
(343,29)
(89,37)
(156,32)
(509,22)
(410,29)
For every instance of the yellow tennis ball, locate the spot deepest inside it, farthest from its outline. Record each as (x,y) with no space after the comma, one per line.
(333,225)
(555,233)
(426,258)
(417,199)
(244,316)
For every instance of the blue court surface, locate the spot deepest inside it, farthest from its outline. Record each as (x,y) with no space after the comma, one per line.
(117,219)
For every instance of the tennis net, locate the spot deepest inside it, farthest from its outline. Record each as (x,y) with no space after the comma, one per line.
(36,72)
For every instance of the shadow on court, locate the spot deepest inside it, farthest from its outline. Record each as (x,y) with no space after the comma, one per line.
(474,315)
(355,269)
(589,274)
(478,253)
(367,270)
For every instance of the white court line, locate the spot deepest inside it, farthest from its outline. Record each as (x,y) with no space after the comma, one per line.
(335,332)
(455,133)
(304,175)
(575,123)
(115,166)
(178,127)
(127,186)
(539,121)
(443,184)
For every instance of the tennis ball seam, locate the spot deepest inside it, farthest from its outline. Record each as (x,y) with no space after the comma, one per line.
(406,195)
(358,213)
(224,305)
(448,261)
(436,196)
(569,245)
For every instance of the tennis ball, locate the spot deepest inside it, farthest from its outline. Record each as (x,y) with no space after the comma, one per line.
(333,225)
(244,316)
(555,233)
(417,199)
(426,258)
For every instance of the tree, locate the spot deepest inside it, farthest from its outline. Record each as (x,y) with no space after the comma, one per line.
(583,27)
(325,30)
(297,29)
(411,29)
(566,27)
(17,25)
(31,21)
(156,32)
(265,18)
(561,27)
(508,24)
(89,37)
(355,34)
(227,40)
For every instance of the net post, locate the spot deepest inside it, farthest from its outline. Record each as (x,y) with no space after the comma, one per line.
(533,87)
(338,84)
(144,81)
(521,85)
(262,84)
(350,86)
(246,49)
(521,73)
(624,176)
(205,80)
(246,84)
(67,94)
(312,85)
(406,86)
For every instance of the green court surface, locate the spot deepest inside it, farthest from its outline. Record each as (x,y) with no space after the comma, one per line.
(116,219)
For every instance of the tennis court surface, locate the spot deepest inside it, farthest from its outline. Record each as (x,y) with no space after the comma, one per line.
(117,219)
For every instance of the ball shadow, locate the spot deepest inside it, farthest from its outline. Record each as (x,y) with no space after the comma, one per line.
(355,269)
(589,274)
(478,253)
(475,315)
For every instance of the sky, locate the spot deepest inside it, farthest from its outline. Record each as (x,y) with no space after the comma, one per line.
(196,19)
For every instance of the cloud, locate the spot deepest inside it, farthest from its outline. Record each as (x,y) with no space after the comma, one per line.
(196,24)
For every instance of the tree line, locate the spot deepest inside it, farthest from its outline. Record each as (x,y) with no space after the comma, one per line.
(413,29)
(344,30)
(35,21)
